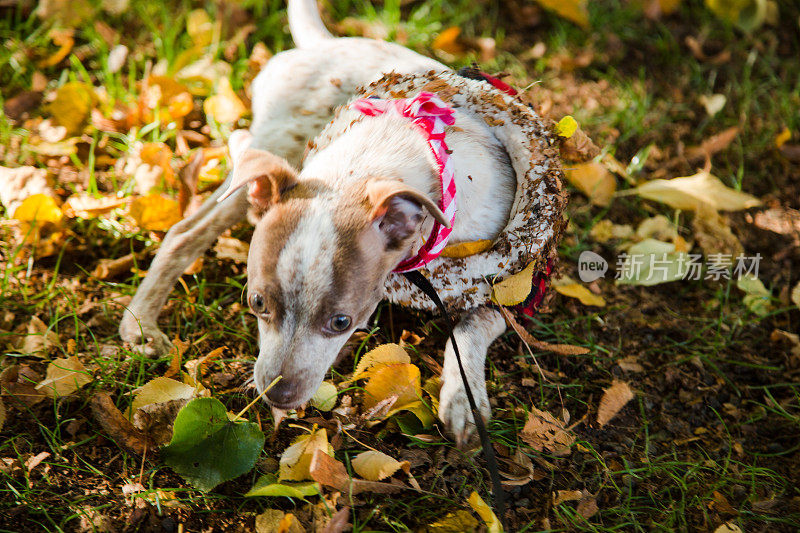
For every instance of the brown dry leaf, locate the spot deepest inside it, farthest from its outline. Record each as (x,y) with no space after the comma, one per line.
(64,376)
(88,206)
(714,235)
(401,380)
(117,426)
(515,289)
(379,357)
(544,432)
(276,521)
(19,382)
(572,10)
(614,399)
(225,107)
(296,459)
(36,460)
(578,148)
(447,41)
(562,496)
(561,349)
(466,249)
(155,212)
(594,180)
(728,527)
(375,466)
(111,268)
(72,105)
(587,507)
(571,288)
(2,413)
(630,364)
(232,249)
(689,193)
(712,145)
(326,470)
(39,340)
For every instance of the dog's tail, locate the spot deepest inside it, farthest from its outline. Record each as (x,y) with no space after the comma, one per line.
(305,23)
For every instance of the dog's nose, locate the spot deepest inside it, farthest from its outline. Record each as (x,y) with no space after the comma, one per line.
(283,392)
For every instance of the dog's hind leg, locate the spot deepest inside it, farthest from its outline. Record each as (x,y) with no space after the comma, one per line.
(474,333)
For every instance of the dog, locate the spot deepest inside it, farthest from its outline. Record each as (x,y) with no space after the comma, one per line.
(328,236)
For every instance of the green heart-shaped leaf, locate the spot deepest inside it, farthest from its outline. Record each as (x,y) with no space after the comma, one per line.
(207,448)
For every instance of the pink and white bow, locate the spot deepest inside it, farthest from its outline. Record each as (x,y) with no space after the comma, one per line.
(430,114)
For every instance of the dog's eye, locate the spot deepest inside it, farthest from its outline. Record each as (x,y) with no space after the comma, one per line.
(257,304)
(339,323)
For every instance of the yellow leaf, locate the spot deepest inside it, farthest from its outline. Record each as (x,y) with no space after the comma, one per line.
(158,155)
(572,10)
(447,41)
(87,206)
(747,14)
(325,397)
(668,6)
(73,103)
(466,249)
(162,90)
(160,390)
(690,192)
(381,356)
(757,296)
(276,521)
(614,399)
(783,137)
(39,209)
(401,380)
(180,105)
(515,289)
(485,512)
(63,39)
(155,212)
(231,248)
(568,287)
(375,466)
(594,180)
(64,376)
(225,106)
(296,459)
(795,296)
(566,127)
(199,27)
(456,522)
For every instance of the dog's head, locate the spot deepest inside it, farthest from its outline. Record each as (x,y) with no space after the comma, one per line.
(318,261)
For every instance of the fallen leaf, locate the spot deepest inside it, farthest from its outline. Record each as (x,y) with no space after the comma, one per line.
(514,289)
(690,192)
(39,339)
(614,399)
(401,380)
(466,249)
(375,466)
(296,459)
(571,288)
(587,507)
(116,58)
(233,249)
(658,227)
(325,397)
(605,230)
(485,512)
(713,103)
(39,209)
(795,296)
(757,298)
(224,107)
(69,13)
(19,383)
(111,268)
(457,522)
(630,364)
(561,496)
(158,155)
(652,262)
(89,206)
(276,521)
(63,38)
(72,105)
(161,390)
(566,127)
(714,144)
(714,235)
(378,357)
(208,448)
(594,180)
(578,147)
(447,41)
(332,473)
(561,349)
(544,432)
(64,376)
(2,414)
(748,15)
(200,27)
(155,212)
(117,426)
(728,527)
(36,460)
(268,485)
(572,10)
(783,137)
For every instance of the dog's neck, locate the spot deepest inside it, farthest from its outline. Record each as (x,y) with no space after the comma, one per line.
(390,146)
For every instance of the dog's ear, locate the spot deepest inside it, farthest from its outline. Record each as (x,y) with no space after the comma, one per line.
(266,175)
(396,209)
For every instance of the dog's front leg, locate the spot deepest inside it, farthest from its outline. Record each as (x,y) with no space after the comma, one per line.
(474,333)
(184,242)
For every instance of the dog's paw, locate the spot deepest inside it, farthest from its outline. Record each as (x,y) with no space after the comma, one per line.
(454,409)
(144,338)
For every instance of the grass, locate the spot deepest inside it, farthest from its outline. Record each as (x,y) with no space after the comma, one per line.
(717,415)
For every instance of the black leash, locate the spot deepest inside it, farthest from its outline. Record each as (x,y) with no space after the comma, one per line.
(422,283)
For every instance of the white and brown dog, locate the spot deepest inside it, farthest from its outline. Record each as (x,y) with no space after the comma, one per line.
(328,237)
